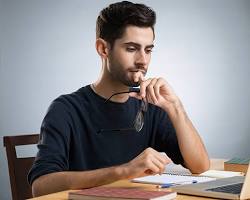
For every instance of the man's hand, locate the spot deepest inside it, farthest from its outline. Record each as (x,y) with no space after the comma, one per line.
(158,92)
(149,162)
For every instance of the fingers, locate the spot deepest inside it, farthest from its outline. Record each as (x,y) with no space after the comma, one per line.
(143,87)
(151,88)
(138,77)
(156,91)
(157,87)
(154,161)
(151,95)
(149,162)
(159,165)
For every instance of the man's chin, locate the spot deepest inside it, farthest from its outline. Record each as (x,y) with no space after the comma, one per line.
(132,84)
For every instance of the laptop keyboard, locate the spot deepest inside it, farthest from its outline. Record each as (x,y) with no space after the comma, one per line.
(232,189)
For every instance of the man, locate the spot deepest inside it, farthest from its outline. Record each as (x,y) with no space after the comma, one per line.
(87,140)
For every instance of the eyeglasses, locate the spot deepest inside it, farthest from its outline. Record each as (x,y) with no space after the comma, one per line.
(139,119)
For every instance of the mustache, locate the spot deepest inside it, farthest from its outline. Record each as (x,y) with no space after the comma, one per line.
(135,69)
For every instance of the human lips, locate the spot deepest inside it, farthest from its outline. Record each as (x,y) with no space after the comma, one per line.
(138,70)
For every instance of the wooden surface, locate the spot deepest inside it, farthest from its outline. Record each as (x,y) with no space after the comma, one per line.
(215,164)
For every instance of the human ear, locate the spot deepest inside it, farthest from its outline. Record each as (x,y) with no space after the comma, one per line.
(101,47)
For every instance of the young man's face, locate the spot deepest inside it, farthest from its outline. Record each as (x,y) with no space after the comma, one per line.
(130,55)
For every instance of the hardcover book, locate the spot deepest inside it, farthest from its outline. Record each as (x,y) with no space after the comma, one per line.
(105,193)
(237,164)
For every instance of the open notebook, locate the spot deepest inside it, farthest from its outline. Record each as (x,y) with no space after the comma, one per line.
(178,175)
(174,175)
(173,179)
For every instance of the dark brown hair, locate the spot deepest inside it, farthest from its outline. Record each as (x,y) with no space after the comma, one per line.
(113,20)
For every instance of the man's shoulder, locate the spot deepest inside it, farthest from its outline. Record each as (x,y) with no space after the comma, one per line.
(80,93)
(72,99)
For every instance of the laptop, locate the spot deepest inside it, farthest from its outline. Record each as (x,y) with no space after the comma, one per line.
(237,187)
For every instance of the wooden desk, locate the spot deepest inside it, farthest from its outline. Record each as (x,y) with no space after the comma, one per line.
(215,164)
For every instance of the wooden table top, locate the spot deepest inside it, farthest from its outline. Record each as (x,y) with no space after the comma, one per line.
(216,164)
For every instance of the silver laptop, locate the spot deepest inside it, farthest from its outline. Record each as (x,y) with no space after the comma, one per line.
(237,187)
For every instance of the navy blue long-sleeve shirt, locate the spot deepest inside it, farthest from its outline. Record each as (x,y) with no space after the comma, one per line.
(70,139)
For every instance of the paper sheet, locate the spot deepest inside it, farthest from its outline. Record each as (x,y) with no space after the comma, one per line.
(170,178)
(221,174)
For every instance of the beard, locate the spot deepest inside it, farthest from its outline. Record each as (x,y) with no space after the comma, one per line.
(126,76)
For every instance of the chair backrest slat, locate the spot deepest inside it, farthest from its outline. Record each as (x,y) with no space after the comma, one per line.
(19,167)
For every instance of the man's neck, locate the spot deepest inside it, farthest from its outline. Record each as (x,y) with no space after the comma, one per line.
(106,88)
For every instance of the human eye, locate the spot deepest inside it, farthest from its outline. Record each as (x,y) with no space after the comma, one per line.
(149,50)
(131,49)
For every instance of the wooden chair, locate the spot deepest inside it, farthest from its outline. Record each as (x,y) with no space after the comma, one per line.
(19,167)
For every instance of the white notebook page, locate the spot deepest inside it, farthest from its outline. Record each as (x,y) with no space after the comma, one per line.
(172,179)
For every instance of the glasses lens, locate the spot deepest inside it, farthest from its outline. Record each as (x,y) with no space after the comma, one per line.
(139,121)
(144,105)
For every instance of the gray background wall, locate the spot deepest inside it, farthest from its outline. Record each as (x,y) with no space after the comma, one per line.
(202,49)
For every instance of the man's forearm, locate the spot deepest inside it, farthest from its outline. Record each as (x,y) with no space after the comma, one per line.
(147,162)
(190,143)
(60,181)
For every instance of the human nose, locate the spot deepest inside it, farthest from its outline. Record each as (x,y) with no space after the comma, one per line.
(142,58)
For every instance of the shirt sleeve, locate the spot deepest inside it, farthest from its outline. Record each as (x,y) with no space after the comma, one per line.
(53,146)
(166,139)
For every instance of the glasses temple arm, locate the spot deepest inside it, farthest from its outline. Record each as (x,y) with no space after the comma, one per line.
(130,90)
